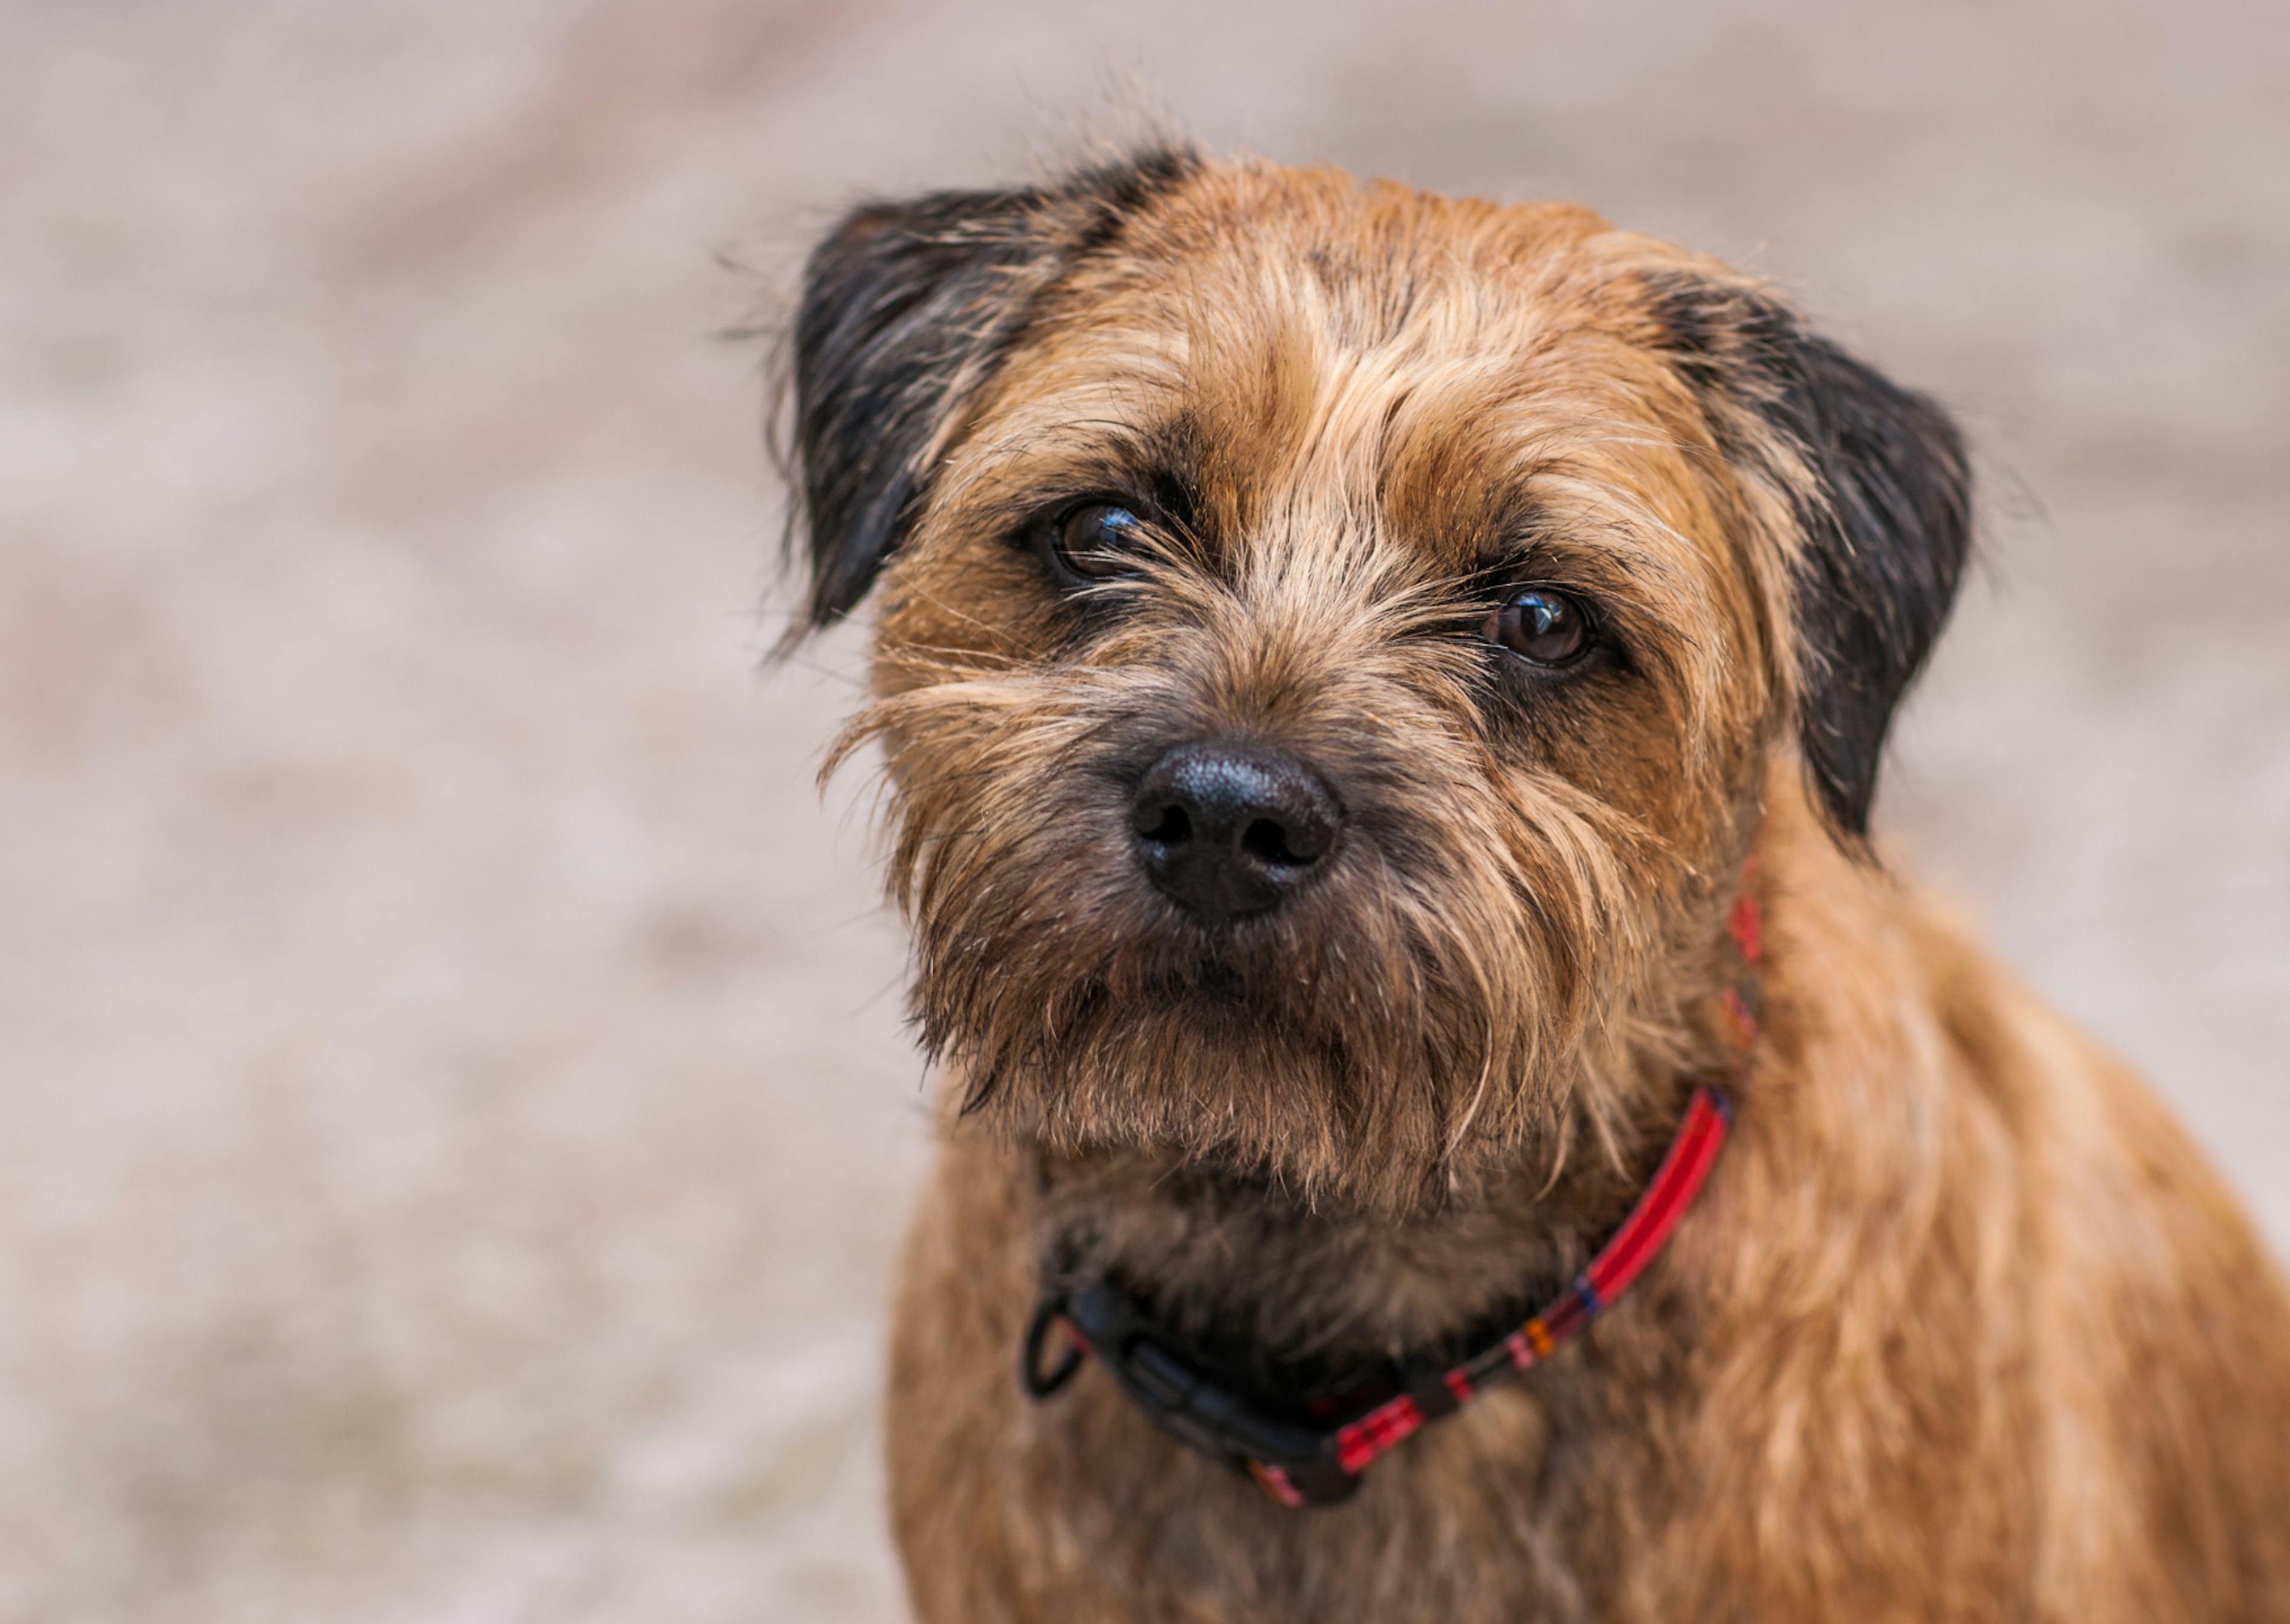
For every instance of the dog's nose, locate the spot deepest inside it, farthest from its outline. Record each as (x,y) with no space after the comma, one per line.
(1228,829)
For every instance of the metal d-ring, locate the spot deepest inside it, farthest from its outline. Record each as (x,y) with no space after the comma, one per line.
(1037,1382)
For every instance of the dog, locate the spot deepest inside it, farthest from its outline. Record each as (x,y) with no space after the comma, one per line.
(1446,1115)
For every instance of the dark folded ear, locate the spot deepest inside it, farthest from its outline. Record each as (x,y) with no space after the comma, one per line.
(906,309)
(1876,479)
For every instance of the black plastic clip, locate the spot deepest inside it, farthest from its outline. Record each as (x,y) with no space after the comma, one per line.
(1177,1396)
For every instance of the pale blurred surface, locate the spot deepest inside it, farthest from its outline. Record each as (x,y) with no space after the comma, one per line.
(456,1122)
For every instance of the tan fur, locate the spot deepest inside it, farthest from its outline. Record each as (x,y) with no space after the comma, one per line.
(1963,1328)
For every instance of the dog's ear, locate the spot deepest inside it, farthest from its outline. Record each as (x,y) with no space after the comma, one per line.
(1876,479)
(906,309)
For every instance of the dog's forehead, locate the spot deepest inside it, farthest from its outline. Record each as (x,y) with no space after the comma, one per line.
(1318,347)
(1378,261)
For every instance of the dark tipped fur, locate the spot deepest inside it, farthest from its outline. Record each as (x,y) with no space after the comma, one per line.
(1887,525)
(906,306)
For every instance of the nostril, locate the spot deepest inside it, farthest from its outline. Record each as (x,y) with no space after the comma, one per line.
(1268,842)
(1225,830)
(1171,829)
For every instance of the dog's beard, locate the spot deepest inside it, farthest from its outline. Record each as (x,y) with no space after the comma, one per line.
(1329,1066)
(1430,1010)
(1340,1063)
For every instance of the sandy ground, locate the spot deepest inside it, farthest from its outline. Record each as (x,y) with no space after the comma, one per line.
(456,1122)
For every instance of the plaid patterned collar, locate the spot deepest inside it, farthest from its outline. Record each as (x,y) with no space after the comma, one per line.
(1313,1462)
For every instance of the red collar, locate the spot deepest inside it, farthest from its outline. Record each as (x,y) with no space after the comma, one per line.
(1308,1463)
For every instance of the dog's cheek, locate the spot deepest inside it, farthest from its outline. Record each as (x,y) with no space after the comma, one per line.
(949,589)
(1611,744)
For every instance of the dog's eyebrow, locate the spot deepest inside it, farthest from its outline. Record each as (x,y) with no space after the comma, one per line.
(1605,555)
(1008,480)
(1550,505)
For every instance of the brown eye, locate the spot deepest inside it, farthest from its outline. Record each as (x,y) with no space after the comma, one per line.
(1541,626)
(1096,541)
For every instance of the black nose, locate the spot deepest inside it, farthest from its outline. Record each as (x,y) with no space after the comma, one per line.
(1229,829)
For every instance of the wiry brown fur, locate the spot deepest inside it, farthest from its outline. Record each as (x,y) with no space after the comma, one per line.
(1962,1327)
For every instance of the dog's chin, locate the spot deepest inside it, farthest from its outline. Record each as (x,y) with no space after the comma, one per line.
(1210,1073)
(1209,1033)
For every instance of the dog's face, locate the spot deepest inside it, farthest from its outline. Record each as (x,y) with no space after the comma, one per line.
(1332,642)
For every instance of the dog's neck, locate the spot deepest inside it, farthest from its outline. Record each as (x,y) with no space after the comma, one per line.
(1298,1300)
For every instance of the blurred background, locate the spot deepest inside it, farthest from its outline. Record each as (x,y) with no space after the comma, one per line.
(454,1120)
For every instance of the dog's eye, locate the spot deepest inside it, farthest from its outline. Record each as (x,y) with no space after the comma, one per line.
(1541,626)
(1096,541)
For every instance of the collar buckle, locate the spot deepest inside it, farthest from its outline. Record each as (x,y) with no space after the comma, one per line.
(1297,1464)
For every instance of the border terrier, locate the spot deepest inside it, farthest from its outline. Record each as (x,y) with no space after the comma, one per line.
(1446,1114)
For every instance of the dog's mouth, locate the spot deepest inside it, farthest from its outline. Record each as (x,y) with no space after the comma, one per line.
(1205,1006)
(1212,985)
(1212,996)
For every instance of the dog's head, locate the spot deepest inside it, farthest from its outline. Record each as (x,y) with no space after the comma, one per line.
(1332,641)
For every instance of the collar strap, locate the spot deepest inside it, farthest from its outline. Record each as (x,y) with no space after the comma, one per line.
(1304,1463)
(1300,1464)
